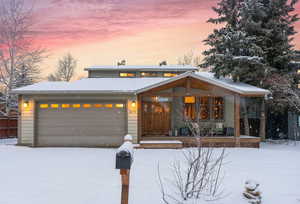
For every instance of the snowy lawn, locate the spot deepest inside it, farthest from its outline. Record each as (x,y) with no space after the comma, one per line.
(87,176)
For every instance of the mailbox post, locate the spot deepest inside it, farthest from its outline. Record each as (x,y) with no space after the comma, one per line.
(124,159)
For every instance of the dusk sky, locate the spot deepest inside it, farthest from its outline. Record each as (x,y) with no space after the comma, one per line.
(101,32)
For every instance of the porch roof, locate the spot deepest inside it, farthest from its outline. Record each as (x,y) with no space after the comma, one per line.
(133,85)
(226,83)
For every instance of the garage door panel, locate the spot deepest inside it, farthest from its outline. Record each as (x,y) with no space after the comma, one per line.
(81,126)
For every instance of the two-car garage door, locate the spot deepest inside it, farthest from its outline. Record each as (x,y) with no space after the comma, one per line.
(80,124)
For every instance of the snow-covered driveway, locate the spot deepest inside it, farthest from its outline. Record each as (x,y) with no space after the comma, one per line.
(87,176)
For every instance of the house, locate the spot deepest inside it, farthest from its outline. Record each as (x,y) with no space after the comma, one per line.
(152,103)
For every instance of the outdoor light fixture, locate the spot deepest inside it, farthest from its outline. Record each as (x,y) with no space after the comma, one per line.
(26,104)
(133,104)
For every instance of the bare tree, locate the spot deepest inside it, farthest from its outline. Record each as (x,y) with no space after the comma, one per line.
(197,177)
(65,69)
(18,58)
(189,59)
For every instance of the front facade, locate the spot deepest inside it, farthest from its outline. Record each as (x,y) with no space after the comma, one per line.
(152,103)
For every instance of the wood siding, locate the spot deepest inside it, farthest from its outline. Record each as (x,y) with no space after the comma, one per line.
(133,119)
(26,121)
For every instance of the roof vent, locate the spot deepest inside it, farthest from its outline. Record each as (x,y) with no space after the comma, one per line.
(163,63)
(122,63)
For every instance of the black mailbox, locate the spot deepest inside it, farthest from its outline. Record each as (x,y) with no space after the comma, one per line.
(123,160)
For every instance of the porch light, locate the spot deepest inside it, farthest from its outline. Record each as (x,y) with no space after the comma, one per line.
(26,104)
(133,104)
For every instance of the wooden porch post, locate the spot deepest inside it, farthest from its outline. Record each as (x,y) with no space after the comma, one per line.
(237,133)
(262,125)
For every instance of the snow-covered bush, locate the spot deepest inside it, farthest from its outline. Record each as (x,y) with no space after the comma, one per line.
(252,193)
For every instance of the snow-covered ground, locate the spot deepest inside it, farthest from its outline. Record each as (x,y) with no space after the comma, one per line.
(87,175)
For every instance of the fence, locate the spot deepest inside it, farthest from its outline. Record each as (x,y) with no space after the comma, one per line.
(8,127)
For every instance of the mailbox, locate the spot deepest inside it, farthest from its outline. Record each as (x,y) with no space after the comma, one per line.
(123,160)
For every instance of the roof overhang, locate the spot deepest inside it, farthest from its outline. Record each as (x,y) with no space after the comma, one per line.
(261,92)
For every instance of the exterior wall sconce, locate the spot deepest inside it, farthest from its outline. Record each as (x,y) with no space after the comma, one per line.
(133,104)
(26,104)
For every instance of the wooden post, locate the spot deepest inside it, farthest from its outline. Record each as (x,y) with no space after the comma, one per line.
(125,185)
(262,125)
(237,129)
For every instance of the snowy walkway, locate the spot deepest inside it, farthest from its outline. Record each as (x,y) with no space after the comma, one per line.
(87,176)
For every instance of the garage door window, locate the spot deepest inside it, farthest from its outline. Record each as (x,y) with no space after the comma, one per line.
(65,105)
(54,105)
(108,105)
(44,106)
(87,105)
(76,105)
(98,105)
(120,105)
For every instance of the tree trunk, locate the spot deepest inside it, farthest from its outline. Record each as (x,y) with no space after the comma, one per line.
(245,117)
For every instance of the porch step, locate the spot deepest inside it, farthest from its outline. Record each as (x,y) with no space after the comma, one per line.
(161,144)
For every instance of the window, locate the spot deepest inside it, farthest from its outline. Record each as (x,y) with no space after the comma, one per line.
(54,105)
(170,74)
(98,105)
(76,105)
(218,108)
(204,108)
(44,106)
(127,74)
(65,105)
(108,105)
(298,86)
(190,107)
(87,105)
(149,74)
(189,99)
(119,105)
(298,71)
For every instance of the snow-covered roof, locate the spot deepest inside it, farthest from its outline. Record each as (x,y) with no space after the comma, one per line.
(91,85)
(133,85)
(209,77)
(144,68)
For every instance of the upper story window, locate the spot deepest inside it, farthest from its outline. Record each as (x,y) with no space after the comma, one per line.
(149,74)
(170,74)
(127,74)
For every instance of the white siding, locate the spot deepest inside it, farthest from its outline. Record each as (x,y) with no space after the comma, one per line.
(132,120)
(27,123)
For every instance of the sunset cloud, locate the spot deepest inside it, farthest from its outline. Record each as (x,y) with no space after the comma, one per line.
(147,30)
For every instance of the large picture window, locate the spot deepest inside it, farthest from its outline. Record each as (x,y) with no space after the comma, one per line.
(204,113)
(190,107)
(218,108)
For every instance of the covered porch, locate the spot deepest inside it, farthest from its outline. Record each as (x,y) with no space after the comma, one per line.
(198,112)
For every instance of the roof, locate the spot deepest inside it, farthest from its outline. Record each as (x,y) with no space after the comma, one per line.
(227,83)
(91,85)
(143,68)
(133,85)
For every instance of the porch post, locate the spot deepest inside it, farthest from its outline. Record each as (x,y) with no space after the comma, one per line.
(237,101)
(262,125)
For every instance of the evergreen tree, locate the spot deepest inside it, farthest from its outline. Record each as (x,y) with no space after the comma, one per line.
(255,40)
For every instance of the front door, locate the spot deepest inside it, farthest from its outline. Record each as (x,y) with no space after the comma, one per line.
(156,118)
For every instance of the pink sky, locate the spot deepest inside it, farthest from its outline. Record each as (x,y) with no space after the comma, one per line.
(140,31)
